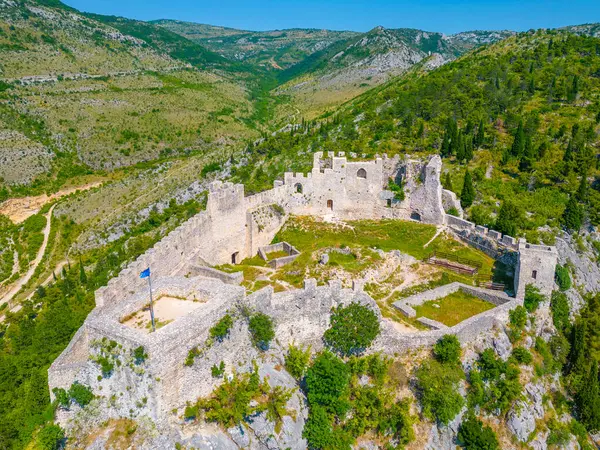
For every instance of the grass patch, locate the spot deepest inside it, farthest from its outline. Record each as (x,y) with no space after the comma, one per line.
(453,308)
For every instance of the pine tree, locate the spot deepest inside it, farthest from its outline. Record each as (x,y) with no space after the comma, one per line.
(572,218)
(445,149)
(82,275)
(468,148)
(518,145)
(588,400)
(460,147)
(467,195)
(528,157)
(509,219)
(582,190)
(598,117)
(480,136)
(574,91)
(577,355)
(420,130)
(448,182)
(531,85)
(568,158)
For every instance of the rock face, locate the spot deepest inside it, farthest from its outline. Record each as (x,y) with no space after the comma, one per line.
(521,421)
(444,437)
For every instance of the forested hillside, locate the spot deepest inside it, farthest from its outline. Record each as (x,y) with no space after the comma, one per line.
(522,116)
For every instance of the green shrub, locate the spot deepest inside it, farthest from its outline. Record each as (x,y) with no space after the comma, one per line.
(502,386)
(397,189)
(437,386)
(447,349)
(106,365)
(209,168)
(140,355)
(453,212)
(80,394)
(191,412)
(563,278)
(518,317)
(559,305)
(353,328)
(318,430)
(296,361)
(533,298)
(559,435)
(50,437)
(327,384)
(522,355)
(218,371)
(62,397)
(262,330)
(220,330)
(473,435)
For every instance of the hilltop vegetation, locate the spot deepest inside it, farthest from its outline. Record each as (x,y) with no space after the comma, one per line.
(540,89)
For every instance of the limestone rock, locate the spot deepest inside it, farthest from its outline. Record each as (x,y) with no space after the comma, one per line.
(443,437)
(521,421)
(324,258)
(502,345)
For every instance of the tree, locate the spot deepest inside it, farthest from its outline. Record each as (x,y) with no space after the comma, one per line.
(518,145)
(467,195)
(459,148)
(468,149)
(474,436)
(437,386)
(582,190)
(353,328)
(327,384)
(588,400)
(318,431)
(573,92)
(447,349)
(480,136)
(448,182)
(50,437)
(529,156)
(82,275)
(509,218)
(572,217)
(262,330)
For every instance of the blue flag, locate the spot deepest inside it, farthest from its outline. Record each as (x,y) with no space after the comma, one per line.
(145,273)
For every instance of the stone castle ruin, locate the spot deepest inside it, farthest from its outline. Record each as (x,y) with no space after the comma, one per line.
(234,227)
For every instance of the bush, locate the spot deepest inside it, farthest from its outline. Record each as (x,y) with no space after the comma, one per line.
(474,436)
(318,431)
(563,278)
(522,355)
(437,386)
(533,298)
(220,330)
(191,412)
(80,394)
(50,437)
(502,385)
(262,330)
(559,304)
(296,361)
(353,328)
(518,317)
(140,355)
(218,371)
(447,349)
(453,212)
(327,384)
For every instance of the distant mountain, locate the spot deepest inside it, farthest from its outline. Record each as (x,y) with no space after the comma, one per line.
(350,67)
(278,49)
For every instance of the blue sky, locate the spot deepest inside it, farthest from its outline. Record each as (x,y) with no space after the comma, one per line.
(358,15)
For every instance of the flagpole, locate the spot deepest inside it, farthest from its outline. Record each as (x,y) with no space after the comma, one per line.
(151,304)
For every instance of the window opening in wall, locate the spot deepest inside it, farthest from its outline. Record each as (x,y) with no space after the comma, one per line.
(362,173)
(234,257)
(330,204)
(534,274)
(298,188)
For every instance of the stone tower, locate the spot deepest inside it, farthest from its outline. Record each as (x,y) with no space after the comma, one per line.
(536,265)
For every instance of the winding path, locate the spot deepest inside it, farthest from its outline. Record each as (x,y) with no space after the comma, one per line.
(16,287)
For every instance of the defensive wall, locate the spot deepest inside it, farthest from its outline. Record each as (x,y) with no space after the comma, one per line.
(234,227)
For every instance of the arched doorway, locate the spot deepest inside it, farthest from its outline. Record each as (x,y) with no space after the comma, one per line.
(415,216)
(362,173)
(235,258)
(330,205)
(298,188)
